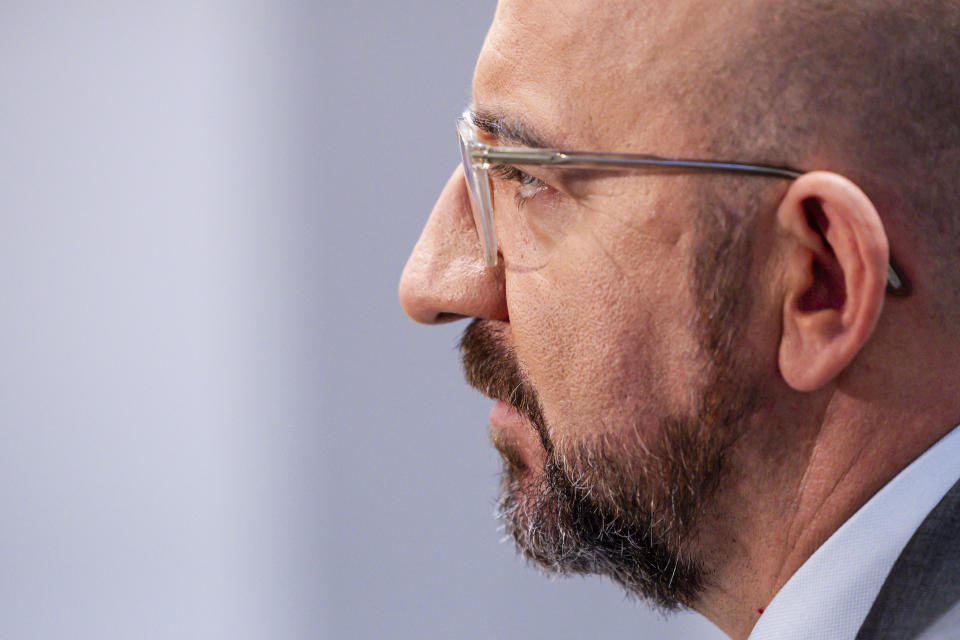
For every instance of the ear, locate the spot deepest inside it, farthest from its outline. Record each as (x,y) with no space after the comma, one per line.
(835,268)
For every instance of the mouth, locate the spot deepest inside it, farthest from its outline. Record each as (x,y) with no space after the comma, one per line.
(491,366)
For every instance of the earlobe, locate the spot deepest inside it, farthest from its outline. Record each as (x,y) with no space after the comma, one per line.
(835,257)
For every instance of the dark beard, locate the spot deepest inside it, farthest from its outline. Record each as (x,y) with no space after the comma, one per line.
(635,520)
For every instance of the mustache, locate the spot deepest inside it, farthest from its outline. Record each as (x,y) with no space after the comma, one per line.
(491,366)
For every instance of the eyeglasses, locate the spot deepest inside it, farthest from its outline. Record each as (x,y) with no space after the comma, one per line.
(478,159)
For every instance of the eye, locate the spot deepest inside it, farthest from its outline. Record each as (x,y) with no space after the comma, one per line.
(528,186)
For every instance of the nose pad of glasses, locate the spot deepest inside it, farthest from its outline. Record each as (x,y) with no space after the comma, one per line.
(481,201)
(483,215)
(481,206)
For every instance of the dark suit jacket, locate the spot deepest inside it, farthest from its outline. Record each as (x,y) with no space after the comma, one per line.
(924,584)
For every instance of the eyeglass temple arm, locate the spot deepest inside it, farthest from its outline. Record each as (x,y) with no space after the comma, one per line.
(897,284)
(520,155)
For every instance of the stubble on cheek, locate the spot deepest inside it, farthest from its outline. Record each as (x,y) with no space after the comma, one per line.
(609,359)
(613,388)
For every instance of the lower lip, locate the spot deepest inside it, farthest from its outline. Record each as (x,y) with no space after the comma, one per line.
(506,417)
(508,426)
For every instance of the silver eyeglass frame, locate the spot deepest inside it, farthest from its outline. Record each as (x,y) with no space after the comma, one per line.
(477,158)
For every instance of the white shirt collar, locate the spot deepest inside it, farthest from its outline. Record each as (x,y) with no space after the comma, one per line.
(829,596)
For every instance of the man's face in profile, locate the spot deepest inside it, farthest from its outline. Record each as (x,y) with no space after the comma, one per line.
(611,334)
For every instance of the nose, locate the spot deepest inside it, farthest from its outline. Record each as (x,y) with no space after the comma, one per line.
(445,277)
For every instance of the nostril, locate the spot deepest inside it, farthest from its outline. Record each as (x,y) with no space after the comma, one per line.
(444,317)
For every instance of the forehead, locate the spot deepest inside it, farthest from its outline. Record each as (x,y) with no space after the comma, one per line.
(592,73)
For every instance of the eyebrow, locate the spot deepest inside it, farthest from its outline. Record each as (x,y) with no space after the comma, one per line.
(510,130)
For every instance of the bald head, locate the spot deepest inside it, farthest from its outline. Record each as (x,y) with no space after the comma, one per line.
(867,88)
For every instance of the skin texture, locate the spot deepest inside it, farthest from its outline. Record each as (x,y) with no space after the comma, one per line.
(753,309)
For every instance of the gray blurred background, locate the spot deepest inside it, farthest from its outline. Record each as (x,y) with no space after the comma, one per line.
(216,421)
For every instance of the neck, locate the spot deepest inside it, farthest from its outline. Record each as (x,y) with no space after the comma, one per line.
(791,488)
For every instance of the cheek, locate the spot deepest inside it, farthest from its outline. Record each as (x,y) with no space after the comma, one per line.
(605,351)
